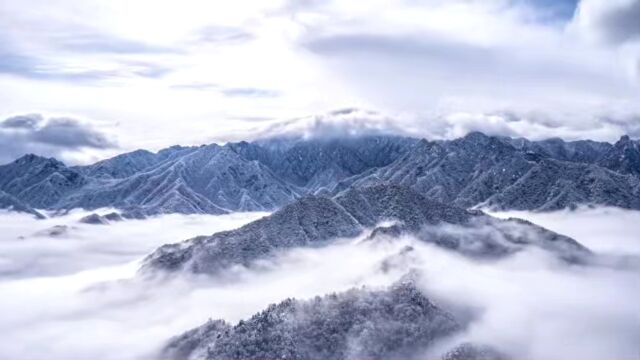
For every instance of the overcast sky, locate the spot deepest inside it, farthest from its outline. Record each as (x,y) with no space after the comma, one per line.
(91,78)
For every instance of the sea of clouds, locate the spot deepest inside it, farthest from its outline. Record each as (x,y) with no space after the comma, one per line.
(76,295)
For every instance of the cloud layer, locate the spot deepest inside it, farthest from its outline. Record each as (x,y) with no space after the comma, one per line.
(213,72)
(613,21)
(73,296)
(54,137)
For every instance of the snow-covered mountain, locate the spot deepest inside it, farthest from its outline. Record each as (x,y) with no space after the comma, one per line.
(490,171)
(316,220)
(210,179)
(207,179)
(267,174)
(623,157)
(40,182)
(317,164)
(394,323)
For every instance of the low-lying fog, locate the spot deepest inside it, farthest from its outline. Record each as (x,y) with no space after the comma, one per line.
(606,230)
(74,296)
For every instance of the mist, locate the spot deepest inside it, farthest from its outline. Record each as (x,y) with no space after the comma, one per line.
(62,245)
(603,229)
(76,296)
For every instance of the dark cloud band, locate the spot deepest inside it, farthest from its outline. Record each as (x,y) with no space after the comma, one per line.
(32,133)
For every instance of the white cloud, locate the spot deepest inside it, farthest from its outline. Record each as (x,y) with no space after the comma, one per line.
(85,305)
(432,60)
(613,21)
(605,230)
(29,252)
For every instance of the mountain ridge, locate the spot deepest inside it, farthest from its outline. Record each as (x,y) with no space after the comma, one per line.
(475,170)
(314,221)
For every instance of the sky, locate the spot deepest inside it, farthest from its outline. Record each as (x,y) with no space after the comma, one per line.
(85,79)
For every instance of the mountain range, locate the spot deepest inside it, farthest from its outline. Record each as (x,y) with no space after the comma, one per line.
(475,170)
(398,322)
(372,188)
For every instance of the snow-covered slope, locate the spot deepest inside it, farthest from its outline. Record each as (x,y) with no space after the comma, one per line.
(8,202)
(211,179)
(317,164)
(489,171)
(267,174)
(129,164)
(39,182)
(623,157)
(316,220)
(394,323)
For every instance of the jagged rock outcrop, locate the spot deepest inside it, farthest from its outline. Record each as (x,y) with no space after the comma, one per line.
(315,220)
(395,323)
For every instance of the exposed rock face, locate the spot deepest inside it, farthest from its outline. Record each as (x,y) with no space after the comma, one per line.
(316,220)
(265,175)
(396,323)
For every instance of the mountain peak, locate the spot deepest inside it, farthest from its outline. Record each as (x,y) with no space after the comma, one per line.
(625,141)
(33,159)
(476,135)
(623,157)
(477,138)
